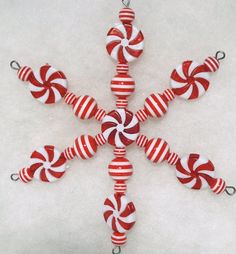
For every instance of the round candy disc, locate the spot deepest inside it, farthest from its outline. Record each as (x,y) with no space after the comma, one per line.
(48,85)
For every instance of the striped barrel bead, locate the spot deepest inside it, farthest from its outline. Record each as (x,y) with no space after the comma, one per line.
(141,115)
(70,98)
(120,187)
(120,169)
(85,107)
(119,152)
(121,103)
(169,94)
(85,147)
(100,113)
(118,239)
(127,15)
(141,140)
(100,140)
(157,150)
(122,85)
(156,105)
(24,73)
(173,158)
(122,68)
(69,153)
(211,64)
(217,185)
(25,175)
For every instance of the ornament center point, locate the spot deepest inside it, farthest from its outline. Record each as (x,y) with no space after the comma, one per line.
(125,42)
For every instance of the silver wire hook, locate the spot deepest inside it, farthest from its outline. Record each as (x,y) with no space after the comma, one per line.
(230,190)
(116,250)
(220,55)
(15,177)
(15,65)
(126,3)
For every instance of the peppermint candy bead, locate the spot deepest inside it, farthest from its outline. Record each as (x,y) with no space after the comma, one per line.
(100,113)
(173,158)
(47,164)
(157,150)
(127,15)
(156,105)
(122,85)
(24,73)
(190,80)
(120,127)
(169,94)
(119,152)
(69,153)
(121,103)
(217,185)
(120,169)
(85,147)
(211,64)
(70,98)
(118,239)
(141,140)
(141,115)
(85,107)
(124,43)
(100,140)
(122,68)
(120,187)
(119,213)
(47,84)
(195,171)
(25,175)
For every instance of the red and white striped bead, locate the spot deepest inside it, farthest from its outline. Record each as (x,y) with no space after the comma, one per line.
(70,98)
(100,113)
(211,64)
(217,185)
(120,169)
(156,105)
(24,73)
(85,107)
(69,153)
(127,15)
(169,94)
(121,103)
(120,187)
(118,239)
(85,147)
(122,85)
(141,115)
(122,68)
(173,158)
(157,150)
(119,152)
(141,140)
(100,140)
(25,175)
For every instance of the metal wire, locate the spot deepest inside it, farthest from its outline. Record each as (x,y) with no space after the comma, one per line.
(116,250)
(15,177)
(220,55)
(126,3)
(15,65)
(230,190)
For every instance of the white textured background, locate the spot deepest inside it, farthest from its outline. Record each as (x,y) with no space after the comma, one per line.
(66,217)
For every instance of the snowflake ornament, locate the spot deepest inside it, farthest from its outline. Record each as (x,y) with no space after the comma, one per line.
(121,127)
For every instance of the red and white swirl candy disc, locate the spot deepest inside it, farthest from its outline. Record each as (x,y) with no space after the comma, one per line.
(120,127)
(47,164)
(195,171)
(190,80)
(124,43)
(119,213)
(47,84)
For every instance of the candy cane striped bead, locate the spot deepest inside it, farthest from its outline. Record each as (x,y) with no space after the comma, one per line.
(157,150)
(24,72)
(120,169)
(25,175)
(118,239)
(141,140)
(69,153)
(120,187)
(156,105)
(122,68)
(127,15)
(211,64)
(121,103)
(119,152)
(100,113)
(217,185)
(100,140)
(141,115)
(122,85)
(169,94)
(85,107)
(173,158)
(85,147)
(70,98)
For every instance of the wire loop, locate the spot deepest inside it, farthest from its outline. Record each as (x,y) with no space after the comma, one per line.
(116,250)
(15,65)
(220,55)
(15,177)
(126,3)
(230,190)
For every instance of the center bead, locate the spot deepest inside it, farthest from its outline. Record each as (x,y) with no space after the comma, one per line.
(120,127)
